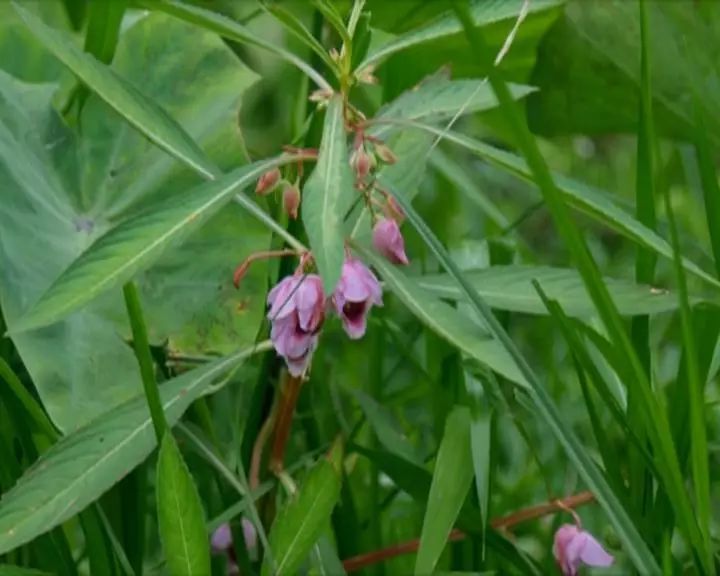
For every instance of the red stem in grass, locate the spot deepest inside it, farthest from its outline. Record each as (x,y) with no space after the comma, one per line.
(503,523)
(288,399)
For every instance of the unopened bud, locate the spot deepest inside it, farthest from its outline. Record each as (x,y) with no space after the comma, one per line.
(393,210)
(366,76)
(291,199)
(385,154)
(321,95)
(334,55)
(267,182)
(361,162)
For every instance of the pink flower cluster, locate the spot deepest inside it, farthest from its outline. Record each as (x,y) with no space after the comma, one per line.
(298,305)
(222,543)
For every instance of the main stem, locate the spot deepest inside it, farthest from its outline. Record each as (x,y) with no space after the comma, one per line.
(144,358)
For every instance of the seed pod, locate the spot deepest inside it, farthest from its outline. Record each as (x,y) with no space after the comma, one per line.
(291,199)
(385,154)
(267,182)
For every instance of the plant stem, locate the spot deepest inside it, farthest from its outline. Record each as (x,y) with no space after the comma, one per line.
(288,400)
(144,358)
(503,523)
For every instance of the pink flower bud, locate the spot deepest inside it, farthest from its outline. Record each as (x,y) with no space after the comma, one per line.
(574,547)
(291,199)
(388,240)
(385,154)
(361,162)
(267,182)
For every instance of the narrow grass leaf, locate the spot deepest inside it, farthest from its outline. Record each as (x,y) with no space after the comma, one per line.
(655,415)
(181,520)
(450,485)
(543,402)
(143,113)
(135,244)
(595,203)
(231,30)
(301,522)
(328,194)
(86,463)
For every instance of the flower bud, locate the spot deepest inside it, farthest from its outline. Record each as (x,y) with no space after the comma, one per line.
(362,163)
(267,182)
(388,240)
(321,95)
(366,76)
(385,154)
(291,199)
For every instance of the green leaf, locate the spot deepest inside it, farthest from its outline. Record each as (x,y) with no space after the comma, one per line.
(542,400)
(181,519)
(328,9)
(481,432)
(302,520)
(328,194)
(232,31)
(595,203)
(589,72)
(444,320)
(144,114)
(134,244)
(510,288)
(438,98)
(483,12)
(294,25)
(8,570)
(103,29)
(83,465)
(450,484)
(385,427)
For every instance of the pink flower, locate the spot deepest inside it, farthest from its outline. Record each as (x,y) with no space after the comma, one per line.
(574,547)
(291,199)
(222,542)
(388,240)
(297,311)
(356,292)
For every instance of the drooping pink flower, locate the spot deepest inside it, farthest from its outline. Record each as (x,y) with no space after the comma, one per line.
(297,311)
(221,540)
(388,240)
(573,547)
(356,292)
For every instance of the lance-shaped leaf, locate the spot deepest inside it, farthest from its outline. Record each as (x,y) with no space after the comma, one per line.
(116,256)
(181,519)
(140,111)
(83,465)
(327,196)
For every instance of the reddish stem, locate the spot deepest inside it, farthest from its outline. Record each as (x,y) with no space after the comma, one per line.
(281,433)
(503,523)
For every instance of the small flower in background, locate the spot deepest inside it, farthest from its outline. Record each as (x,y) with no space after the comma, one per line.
(291,199)
(574,547)
(297,311)
(222,542)
(387,239)
(357,291)
(267,182)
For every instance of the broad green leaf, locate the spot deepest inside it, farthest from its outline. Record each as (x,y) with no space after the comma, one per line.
(542,400)
(450,484)
(595,203)
(85,464)
(445,321)
(144,114)
(134,244)
(76,186)
(231,30)
(302,520)
(510,288)
(483,12)
(327,196)
(589,72)
(181,519)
